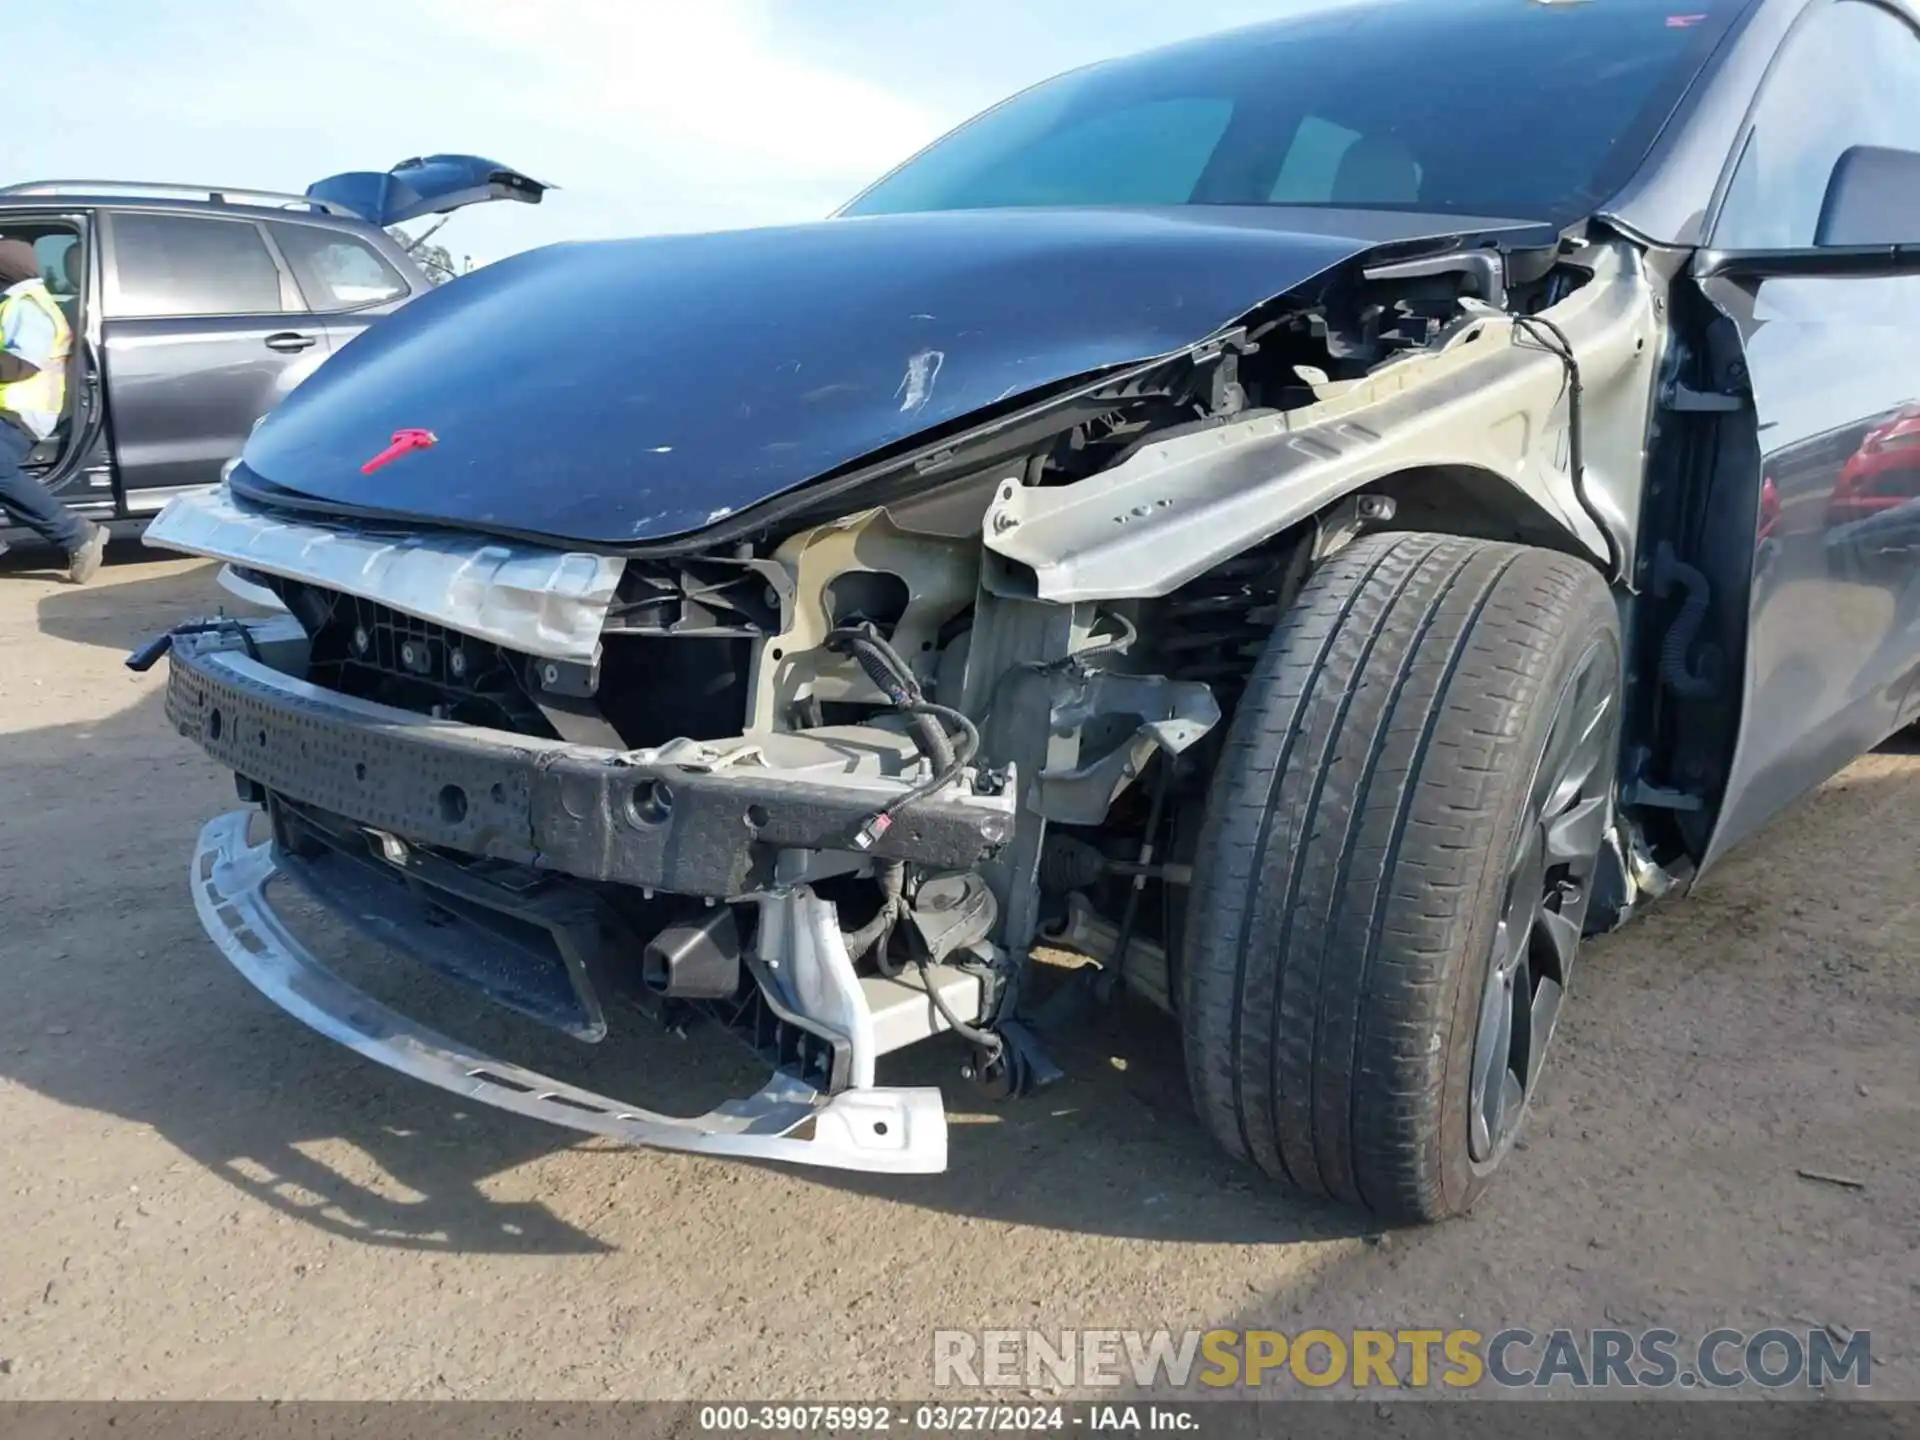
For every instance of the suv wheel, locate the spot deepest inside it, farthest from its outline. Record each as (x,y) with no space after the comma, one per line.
(1396,866)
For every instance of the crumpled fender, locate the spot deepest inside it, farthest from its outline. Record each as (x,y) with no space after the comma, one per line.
(1492,400)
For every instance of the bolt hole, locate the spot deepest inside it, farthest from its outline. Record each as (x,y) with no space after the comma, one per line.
(214,724)
(359,771)
(776,653)
(262,738)
(879,1127)
(756,817)
(453,804)
(651,802)
(498,794)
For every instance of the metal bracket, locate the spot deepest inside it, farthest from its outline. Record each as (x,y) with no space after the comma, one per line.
(1233,342)
(1658,797)
(1487,269)
(1686,400)
(801,945)
(1343,524)
(1636,790)
(1173,715)
(564,678)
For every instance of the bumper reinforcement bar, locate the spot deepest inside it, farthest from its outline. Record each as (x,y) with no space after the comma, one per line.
(652,819)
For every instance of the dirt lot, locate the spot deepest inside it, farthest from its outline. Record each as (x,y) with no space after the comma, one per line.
(203,1199)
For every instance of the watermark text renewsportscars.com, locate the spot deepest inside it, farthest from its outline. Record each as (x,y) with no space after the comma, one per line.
(1406,1359)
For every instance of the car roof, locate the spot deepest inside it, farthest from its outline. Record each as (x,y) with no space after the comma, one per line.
(67,195)
(1667,202)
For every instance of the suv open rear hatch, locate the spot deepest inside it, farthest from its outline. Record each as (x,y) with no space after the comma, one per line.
(425,185)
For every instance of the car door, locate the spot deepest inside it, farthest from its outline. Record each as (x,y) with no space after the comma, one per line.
(1833,638)
(347,278)
(73,463)
(204,331)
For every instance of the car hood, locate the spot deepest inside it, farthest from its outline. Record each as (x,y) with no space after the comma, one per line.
(618,393)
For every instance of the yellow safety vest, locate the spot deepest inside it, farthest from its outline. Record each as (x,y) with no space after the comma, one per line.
(39,399)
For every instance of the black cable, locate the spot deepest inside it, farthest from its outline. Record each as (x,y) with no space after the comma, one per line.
(891,676)
(1562,348)
(1110,644)
(969,747)
(894,679)
(1677,667)
(148,655)
(874,935)
(985,1039)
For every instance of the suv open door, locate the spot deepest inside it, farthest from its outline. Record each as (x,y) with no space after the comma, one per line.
(73,461)
(428,185)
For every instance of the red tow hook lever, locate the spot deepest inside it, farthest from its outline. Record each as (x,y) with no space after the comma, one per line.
(403,441)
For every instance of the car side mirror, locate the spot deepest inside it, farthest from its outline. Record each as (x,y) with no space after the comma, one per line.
(1872,199)
(1869,226)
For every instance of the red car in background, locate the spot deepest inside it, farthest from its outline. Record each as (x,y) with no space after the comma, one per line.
(1884,471)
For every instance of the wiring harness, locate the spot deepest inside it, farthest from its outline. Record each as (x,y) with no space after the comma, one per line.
(948,739)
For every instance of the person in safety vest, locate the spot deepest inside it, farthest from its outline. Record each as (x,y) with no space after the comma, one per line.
(35,345)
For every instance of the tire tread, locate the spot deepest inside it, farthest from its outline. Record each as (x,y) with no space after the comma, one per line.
(1342,867)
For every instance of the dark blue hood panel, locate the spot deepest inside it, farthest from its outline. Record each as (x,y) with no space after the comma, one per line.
(622,392)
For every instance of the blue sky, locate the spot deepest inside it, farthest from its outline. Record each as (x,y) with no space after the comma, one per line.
(652,115)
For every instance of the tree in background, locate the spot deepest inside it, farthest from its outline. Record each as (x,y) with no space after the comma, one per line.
(436,260)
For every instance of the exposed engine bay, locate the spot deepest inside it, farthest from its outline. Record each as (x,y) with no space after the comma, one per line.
(830,779)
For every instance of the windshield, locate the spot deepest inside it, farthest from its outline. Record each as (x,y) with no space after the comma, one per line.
(1524,109)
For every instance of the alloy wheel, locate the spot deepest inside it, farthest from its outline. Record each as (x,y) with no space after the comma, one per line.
(1549,885)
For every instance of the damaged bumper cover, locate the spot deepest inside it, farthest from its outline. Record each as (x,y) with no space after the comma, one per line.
(892,1131)
(704,820)
(549,603)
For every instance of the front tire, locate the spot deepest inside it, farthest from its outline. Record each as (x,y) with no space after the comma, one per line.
(1395,868)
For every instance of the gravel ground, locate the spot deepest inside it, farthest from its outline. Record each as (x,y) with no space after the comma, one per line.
(204,1200)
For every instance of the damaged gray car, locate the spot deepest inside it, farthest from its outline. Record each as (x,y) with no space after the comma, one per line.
(1315,521)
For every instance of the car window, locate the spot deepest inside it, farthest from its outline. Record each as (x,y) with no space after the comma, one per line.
(1501,108)
(1313,162)
(1850,75)
(1328,164)
(182,265)
(337,272)
(51,252)
(1149,154)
